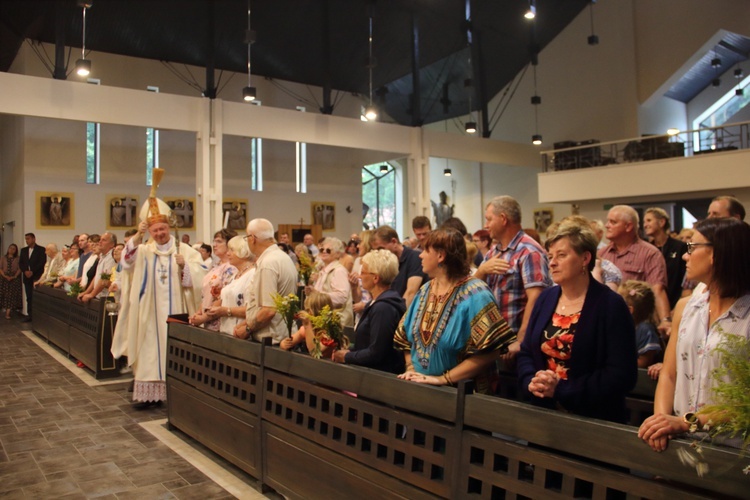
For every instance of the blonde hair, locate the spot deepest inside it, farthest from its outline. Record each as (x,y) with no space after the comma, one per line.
(364,240)
(639,296)
(471,252)
(382,263)
(316,301)
(238,246)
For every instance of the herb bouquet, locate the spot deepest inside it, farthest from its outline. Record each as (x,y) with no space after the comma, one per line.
(327,331)
(288,307)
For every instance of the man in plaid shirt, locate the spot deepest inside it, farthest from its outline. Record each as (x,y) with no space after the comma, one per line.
(516,268)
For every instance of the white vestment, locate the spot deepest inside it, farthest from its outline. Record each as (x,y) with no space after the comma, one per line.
(156,290)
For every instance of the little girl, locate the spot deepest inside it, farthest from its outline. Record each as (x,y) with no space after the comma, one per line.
(641,301)
(314,303)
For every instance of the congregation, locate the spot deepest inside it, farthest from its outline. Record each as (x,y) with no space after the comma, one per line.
(572,316)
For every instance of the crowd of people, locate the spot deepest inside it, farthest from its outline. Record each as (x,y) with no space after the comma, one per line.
(572,316)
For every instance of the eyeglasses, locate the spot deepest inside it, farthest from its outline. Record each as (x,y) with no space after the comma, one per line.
(691,246)
(326,250)
(250,236)
(362,273)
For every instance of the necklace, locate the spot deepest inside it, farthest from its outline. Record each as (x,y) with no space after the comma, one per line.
(571,303)
(242,271)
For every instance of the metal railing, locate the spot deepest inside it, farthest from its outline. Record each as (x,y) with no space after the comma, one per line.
(569,155)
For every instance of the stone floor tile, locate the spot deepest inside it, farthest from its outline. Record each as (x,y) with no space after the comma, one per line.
(176,484)
(32,444)
(99,471)
(20,436)
(52,489)
(152,492)
(193,476)
(62,451)
(150,473)
(20,479)
(67,463)
(201,492)
(106,486)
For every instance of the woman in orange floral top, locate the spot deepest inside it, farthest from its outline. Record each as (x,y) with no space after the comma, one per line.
(579,352)
(216,278)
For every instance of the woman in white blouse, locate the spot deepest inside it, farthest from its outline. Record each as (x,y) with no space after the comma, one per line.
(717,256)
(333,279)
(231,308)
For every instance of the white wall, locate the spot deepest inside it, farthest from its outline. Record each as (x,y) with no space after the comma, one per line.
(11,180)
(659,115)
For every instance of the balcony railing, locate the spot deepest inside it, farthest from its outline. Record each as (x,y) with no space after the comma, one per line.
(570,155)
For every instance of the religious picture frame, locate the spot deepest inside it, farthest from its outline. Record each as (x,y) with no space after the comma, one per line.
(234,213)
(324,213)
(183,211)
(543,218)
(121,211)
(55,210)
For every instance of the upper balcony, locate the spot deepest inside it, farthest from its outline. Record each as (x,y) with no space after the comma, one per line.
(707,159)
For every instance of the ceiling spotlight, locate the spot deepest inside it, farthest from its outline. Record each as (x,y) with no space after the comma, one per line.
(83,67)
(248,94)
(447,172)
(739,92)
(383,169)
(593,40)
(673,131)
(371,113)
(535,99)
(715,62)
(531,12)
(738,73)
(471,127)
(716,82)
(536,140)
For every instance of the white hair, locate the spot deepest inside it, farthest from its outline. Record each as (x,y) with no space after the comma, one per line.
(238,246)
(336,244)
(261,228)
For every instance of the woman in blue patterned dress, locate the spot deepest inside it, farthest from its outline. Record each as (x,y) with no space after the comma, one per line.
(453,329)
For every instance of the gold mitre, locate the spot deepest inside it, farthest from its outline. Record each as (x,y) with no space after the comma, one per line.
(154,210)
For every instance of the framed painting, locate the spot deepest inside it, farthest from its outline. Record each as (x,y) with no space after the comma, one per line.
(543,218)
(121,211)
(324,213)
(54,210)
(234,213)
(183,211)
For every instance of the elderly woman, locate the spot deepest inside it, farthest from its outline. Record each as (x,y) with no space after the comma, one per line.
(231,308)
(717,256)
(453,329)
(373,338)
(579,352)
(214,280)
(10,281)
(333,279)
(70,270)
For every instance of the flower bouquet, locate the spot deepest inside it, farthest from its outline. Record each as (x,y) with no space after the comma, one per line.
(305,268)
(327,331)
(288,307)
(75,289)
(51,279)
(105,276)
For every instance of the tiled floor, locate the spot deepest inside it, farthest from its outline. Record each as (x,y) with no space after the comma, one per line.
(60,438)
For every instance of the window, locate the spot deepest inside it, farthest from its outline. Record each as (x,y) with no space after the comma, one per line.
(719,114)
(152,148)
(379,195)
(92,147)
(256,163)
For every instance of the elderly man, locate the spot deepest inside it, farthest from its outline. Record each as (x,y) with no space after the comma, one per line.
(637,259)
(54,266)
(166,279)
(656,227)
(726,206)
(516,268)
(274,274)
(308,241)
(100,287)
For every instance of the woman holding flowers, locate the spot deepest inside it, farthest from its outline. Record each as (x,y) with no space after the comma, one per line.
(579,352)
(453,329)
(214,280)
(333,280)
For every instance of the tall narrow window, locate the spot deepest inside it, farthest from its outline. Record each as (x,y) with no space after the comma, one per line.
(92,147)
(301,155)
(256,163)
(152,147)
(379,195)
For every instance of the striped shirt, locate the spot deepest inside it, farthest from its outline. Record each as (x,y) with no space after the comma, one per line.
(529,267)
(639,261)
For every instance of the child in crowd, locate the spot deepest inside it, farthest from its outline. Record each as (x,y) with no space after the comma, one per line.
(641,301)
(314,303)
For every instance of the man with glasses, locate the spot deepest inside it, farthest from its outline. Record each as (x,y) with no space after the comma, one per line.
(274,273)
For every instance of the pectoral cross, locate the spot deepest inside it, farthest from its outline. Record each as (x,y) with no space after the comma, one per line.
(162,273)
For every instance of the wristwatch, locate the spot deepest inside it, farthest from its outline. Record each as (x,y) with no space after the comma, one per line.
(692,421)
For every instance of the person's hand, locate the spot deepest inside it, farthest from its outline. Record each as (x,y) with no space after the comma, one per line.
(339,355)
(143,227)
(513,350)
(665,328)
(654,371)
(28,274)
(197,319)
(494,265)
(354,279)
(544,383)
(180,259)
(358,307)
(287,344)
(113,287)
(240,332)
(422,379)
(658,429)
(106,283)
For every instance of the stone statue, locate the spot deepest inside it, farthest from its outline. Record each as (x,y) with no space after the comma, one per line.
(442,212)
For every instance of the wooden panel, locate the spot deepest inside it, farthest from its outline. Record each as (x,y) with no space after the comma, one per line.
(300,469)
(415,449)
(220,343)
(231,433)
(83,348)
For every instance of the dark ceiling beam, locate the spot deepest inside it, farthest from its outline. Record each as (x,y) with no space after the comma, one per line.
(327,107)
(479,73)
(210,90)
(59,72)
(416,96)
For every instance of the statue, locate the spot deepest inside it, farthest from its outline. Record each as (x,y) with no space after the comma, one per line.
(442,212)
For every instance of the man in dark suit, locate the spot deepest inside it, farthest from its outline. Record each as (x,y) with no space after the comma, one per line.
(32,263)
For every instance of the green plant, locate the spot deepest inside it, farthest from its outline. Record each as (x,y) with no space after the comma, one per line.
(288,307)
(327,331)
(75,289)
